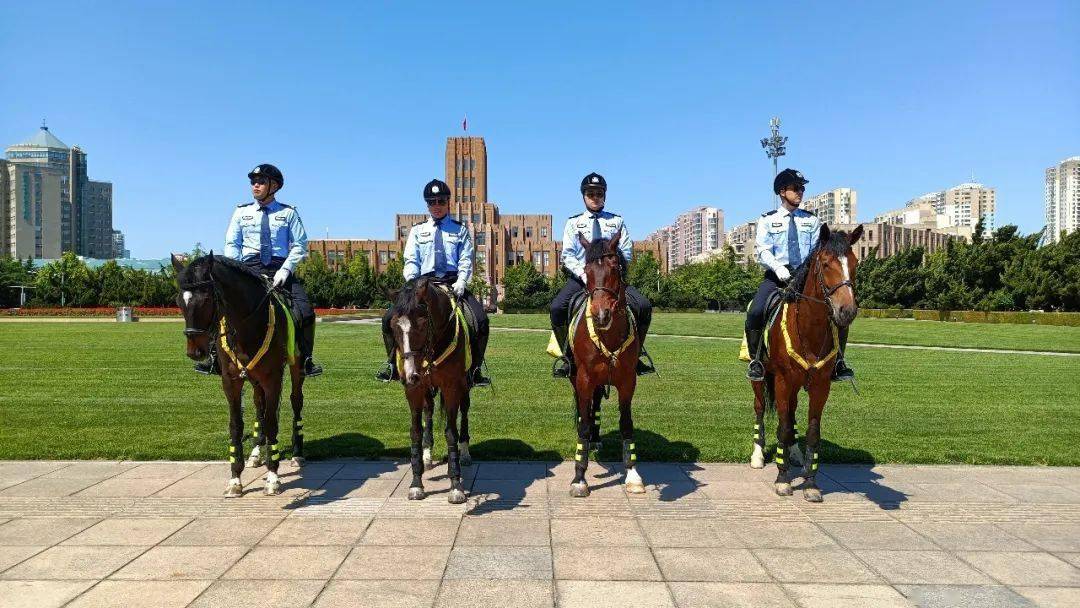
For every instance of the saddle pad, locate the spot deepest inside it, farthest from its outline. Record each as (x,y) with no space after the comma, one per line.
(772,310)
(290,323)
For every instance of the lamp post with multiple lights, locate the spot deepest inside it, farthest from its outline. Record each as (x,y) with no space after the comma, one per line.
(775,147)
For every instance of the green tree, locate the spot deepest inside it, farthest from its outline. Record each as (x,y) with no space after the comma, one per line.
(644,274)
(525,288)
(67,281)
(13,272)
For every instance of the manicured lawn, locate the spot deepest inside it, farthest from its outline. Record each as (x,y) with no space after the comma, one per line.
(96,390)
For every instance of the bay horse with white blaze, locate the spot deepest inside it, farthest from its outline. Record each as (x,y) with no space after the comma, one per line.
(221,296)
(802,349)
(606,346)
(433,352)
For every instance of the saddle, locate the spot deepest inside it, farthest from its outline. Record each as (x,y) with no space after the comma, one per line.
(773,304)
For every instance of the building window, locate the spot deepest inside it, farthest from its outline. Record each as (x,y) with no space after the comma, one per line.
(476,218)
(528,232)
(514,232)
(547,259)
(401,231)
(384,257)
(543,233)
(393,255)
(472,199)
(480,238)
(537,260)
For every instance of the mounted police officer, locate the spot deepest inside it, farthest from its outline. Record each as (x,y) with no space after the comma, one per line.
(594,224)
(785,238)
(268,236)
(442,248)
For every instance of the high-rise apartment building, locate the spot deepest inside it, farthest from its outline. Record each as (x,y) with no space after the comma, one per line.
(694,234)
(836,206)
(1062,199)
(51,205)
(741,239)
(955,211)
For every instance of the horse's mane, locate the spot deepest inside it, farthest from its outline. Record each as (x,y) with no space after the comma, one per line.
(837,244)
(598,249)
(407,302)
(198,269)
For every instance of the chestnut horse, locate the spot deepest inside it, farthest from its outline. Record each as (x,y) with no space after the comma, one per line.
(433,349)
(803,344)
(254,348)
(606,346)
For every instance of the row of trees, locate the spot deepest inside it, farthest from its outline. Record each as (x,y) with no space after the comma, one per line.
(70,282)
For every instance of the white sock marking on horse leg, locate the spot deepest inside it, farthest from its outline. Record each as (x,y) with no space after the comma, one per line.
(427,457)
(633,477)
(757,458)
(271,478)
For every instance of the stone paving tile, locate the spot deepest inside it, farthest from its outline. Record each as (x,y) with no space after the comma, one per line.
(10,556)
(40,594)
(337,489)
(612,594)
(41,487)
(223,531)
(1016,568)
(729,595)
(961,536)
(818,595)
(270,593)
(490,531)
(710,564)
(309,562)
(395,563)
(773,534)
(511,470)
(65,563)
(375,470)
(947,596)
(1051,597)
(43,530)
(141,594)
(708,472)
(922,567)
(118,487)
(499,563)
(181,563)
(173,471)
(738,490)
(883,492)
(378,594)
(696,532)
(90,470)
(411,531)
(30,468)
(815,565)
(969,492)
(317,531)
(595,531)
(1040,493)
(876,535)
(1048,537)
(604,563)
(129,531)
(1072,558)
(496,594)
(516,490)
(662,472)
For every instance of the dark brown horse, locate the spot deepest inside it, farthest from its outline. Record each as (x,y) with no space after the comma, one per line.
(433,350)
(254,347)
(803,343)
(606,346)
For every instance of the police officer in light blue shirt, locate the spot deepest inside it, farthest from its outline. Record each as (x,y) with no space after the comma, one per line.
(785,239)
(268,236)
(442,248)
(594,223)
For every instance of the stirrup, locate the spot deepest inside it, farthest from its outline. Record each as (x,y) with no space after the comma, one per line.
(388,373)
(644,367)
(842,373)
(209,366)
(561,368)
(311,369)
(476,378)
(755,372)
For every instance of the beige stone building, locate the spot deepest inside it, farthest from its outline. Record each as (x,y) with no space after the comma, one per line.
(741,239)
(955,211)
(889,239)
(500,240)
(1062,199)
(837,206)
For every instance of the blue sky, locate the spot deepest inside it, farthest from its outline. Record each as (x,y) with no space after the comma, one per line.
(175,102)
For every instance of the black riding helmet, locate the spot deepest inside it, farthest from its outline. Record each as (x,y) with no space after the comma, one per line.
(435,190)
(786,178)
(593,180)
(269,172)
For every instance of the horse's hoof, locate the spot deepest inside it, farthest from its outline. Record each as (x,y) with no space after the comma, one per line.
(757,462)
(783,488)
(456,497)
(579,490)
(273,488)
(299,461)
(635,487)
(234,490)
(812,494)
(416,494)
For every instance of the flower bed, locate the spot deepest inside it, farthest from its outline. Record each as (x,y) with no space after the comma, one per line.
(150,311)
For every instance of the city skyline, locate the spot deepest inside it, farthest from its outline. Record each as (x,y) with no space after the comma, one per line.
(673,120)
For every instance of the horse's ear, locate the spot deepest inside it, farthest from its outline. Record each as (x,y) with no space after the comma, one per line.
(584,242)
(613,244)
(391,294)
(855,235)
(178,262)
(823,234)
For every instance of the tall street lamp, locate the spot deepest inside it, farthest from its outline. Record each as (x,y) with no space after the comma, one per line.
(775,147)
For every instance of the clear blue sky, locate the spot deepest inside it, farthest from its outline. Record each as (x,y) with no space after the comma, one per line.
(175,102)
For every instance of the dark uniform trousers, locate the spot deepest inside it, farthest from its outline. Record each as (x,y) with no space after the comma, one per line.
(483,325)
(560,306)
(755,317)
(302,311)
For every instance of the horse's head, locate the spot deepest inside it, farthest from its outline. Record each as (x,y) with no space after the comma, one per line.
(197,302)
(833,273)
(412,322)
(603,277)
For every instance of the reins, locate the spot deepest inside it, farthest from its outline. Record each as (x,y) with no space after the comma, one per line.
(428,362)
(826,300)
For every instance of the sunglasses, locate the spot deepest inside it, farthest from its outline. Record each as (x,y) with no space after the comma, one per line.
(796,188)
(595,193)
(436,202)
(259,181)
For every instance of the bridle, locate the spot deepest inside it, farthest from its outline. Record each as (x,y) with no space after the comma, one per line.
(421,358)
(619,295)
(191,332)
(826,291)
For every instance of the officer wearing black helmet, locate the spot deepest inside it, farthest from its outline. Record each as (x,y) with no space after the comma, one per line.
(593,224)
(785,238)
(442,248)
(268,236)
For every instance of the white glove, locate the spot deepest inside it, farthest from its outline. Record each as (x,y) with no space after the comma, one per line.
(584,279)
(280,277)
(459,288)
(782,273)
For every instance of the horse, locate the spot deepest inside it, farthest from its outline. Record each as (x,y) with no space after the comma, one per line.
(606,346)
(216,291)
(802,345)
(432,339)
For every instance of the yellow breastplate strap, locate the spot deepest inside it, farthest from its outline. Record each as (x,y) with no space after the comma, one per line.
(797,357)
(267,341)
(613,356)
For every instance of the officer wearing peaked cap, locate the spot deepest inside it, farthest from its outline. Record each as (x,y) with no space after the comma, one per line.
(785,238)
(593,224)
(442,248)
(268,236)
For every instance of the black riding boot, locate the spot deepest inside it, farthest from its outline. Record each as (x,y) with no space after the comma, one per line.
(389,372)
(306,343)
(841,371)
(561,368)
(209,365)
(756,371)
(644,363)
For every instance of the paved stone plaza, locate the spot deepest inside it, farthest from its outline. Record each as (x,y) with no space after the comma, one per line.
(343,534)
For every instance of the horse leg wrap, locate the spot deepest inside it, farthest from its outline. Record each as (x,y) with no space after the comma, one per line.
(759,434)
(780,462)
(298,437)
(629,454)
(417,463)
(811,466)
(274,454)
(255,433)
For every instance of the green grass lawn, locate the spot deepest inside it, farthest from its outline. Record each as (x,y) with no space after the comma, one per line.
(867,330)
(97,390)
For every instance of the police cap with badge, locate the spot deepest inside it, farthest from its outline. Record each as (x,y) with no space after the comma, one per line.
(786,178)
(436,190)
(593,181)
(269,172)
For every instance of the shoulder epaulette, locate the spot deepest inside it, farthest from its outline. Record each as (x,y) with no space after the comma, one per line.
(613,214)
(287,206)
(768,213)
(418,223)
(243,204)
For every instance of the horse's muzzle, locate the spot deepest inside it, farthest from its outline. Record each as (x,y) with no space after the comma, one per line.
(844,316)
